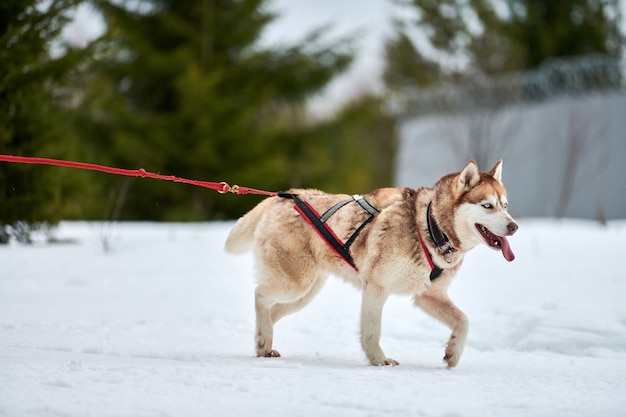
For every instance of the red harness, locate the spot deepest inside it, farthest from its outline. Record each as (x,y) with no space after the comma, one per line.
(435,271)
(319,223)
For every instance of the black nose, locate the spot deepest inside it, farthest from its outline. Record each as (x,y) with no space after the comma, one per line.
(512,227)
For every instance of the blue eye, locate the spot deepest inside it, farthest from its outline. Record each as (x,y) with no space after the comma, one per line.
(488,206)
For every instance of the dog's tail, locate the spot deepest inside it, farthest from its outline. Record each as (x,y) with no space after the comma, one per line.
(241,237)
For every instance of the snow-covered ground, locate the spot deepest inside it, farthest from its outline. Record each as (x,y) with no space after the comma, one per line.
(163,325)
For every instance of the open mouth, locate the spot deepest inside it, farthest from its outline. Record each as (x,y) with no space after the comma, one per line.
(496,242)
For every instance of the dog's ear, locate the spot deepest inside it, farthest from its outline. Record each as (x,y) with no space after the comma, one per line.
(469,177)
(496,171)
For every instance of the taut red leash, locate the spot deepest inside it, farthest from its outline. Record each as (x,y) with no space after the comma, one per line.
(220,187)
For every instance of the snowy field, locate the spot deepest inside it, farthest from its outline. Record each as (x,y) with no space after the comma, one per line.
(163,325)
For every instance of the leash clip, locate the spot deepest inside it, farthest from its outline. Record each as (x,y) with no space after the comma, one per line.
(228,189)
(225,188)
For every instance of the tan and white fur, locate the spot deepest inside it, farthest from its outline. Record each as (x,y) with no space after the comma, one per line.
(294,262)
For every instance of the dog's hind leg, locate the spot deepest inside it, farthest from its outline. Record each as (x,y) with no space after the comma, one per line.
(277,295)
(264,326)
(280,310)
(437,303)
(371,317)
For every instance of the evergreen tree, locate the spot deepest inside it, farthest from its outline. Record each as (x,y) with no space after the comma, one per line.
(361,147)
(29,116)
(486,37)
(183,88)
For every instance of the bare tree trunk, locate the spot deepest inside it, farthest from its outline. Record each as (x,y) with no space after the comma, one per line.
(482,135)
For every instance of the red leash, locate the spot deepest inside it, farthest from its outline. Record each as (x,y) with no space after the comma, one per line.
(220,187)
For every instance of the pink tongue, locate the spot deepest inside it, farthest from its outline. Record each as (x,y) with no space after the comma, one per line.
(506,249)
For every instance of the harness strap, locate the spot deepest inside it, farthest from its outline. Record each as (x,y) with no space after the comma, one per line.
(352,238)
(328,213)
(435,270)
(343,250)
(325,232)
(358,198)
(365,204)
(440,239)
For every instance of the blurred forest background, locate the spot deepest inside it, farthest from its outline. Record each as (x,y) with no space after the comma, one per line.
(184,88)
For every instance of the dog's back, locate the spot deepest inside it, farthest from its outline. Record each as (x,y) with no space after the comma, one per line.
(241,238)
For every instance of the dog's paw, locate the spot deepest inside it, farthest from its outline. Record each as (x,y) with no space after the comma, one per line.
(271,354)
(385,362)
(452,355)
(451,359)
(454,350)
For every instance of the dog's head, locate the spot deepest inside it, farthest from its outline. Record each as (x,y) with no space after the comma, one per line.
(481,209)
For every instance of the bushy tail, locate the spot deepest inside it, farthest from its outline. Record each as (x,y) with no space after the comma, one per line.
(241,237)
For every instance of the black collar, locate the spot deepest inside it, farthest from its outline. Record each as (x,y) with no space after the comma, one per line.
(439,238)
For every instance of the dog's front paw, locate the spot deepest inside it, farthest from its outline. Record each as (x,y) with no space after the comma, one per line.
(384,362)
(451,358)
(453,352)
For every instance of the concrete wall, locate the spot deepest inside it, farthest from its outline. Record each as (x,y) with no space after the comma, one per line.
(565,157)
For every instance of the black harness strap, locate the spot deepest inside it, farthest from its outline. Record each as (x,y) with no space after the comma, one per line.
(352,238)
(325,232)
(440,239)
(435,272)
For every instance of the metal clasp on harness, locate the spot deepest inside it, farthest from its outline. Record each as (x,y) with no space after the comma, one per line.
(447,253)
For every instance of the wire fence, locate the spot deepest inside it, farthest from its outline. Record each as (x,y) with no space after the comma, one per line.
(555,78)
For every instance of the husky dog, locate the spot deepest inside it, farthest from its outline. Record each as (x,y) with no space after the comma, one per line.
(398,241)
